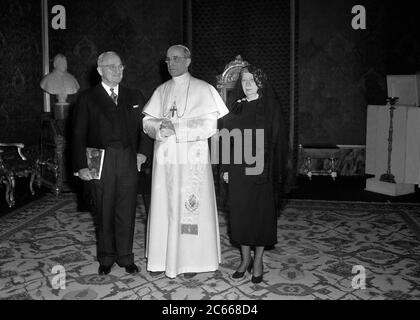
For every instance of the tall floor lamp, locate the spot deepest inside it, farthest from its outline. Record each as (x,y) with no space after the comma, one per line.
(388,176)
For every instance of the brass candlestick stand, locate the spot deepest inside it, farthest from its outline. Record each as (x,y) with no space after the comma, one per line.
(388,176)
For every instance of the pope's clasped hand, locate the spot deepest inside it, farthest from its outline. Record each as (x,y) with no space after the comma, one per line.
(167,128)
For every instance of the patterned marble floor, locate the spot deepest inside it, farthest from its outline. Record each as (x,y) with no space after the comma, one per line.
(323,251)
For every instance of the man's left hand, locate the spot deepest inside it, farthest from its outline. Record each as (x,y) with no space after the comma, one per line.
(141,158)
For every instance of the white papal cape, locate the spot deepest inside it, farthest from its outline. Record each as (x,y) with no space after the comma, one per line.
(183,230)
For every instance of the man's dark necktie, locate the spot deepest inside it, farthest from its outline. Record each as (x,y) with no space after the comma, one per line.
(113,96)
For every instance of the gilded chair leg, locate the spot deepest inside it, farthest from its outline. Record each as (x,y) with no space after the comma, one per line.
(31,183)
(6,194)
(8,197)
(57,184)
(38,177)
(12,191)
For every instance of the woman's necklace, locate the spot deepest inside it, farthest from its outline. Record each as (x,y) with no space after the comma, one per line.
(174,109)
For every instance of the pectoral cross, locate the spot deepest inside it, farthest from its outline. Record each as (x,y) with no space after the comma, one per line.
(173,109)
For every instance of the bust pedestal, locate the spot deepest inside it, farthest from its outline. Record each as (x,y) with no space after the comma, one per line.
(61,110)
(55,153)
(390,189)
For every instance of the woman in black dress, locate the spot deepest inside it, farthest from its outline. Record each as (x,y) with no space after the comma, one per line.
(253,196)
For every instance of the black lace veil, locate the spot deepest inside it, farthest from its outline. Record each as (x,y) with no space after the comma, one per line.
(269,116)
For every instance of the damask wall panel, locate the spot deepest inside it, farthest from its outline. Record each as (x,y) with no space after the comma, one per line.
(139,30)
(21,68)
(403,42)
(257,30)
(341,70)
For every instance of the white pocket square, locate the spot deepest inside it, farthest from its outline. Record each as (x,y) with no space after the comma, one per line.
(136,106)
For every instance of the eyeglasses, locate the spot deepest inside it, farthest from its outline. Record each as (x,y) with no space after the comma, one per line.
(175,59)
(114,67)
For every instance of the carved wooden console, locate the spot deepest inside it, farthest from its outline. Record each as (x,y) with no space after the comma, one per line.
(15,163)
(319,160)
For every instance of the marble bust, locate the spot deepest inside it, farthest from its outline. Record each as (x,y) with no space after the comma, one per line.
(59,82)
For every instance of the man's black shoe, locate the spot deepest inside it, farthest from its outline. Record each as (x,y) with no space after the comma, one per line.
(132,268)
(104,270)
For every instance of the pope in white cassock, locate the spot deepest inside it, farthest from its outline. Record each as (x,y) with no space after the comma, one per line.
(183,230)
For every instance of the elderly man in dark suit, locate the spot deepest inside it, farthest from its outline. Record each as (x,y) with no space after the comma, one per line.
(108,116)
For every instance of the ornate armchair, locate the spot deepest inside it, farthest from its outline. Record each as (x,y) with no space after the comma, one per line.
(14,164)
(226,80)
